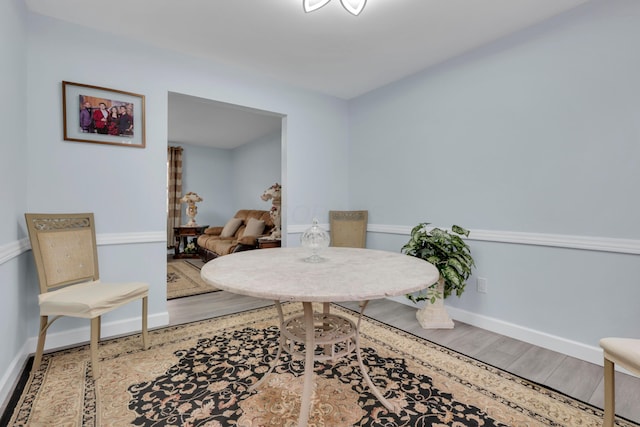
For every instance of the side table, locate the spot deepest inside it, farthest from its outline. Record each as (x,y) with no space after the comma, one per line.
(266,243)
(182,235)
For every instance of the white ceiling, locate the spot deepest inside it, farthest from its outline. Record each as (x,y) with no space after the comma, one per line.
(200,121)
(328,50)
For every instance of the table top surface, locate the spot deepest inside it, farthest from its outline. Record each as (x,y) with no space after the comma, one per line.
(345,274)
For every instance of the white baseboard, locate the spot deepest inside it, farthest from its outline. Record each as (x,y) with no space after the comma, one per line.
(111,329)
(541,339)
(8,381)
(571,348)
(71,338)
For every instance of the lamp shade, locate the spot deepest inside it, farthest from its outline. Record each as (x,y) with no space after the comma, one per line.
(191,197)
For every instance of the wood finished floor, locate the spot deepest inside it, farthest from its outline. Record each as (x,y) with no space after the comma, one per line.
(574,377)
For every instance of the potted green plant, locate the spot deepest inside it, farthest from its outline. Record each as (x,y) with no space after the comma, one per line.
(451,255)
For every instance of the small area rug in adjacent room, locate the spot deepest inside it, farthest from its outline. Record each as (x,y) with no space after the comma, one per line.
(183,280)
(198,374)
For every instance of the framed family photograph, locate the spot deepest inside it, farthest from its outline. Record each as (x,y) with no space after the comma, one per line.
(101,115)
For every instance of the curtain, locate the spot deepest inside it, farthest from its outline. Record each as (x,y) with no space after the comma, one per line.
(174,186)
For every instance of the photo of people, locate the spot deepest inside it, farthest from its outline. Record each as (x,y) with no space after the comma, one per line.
(105,116)
(102,116)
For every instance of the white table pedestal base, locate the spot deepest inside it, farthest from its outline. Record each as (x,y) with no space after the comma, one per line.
(323,337)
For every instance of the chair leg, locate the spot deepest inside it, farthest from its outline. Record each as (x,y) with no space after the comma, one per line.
(609,393)
(95,337)
(42,336)
(145,334)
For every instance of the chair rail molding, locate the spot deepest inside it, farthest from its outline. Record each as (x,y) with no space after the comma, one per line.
(131,238)
(591,243)
(14,249)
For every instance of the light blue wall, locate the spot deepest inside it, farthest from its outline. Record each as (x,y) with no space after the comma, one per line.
(548,118)
(125,187)
(231,179)
(540,133)
(13,189)
(208,171)
(256,167)
(13,108)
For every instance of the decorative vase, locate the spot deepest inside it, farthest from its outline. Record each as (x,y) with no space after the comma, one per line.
(315,240)
(191,199)
(192,211)
(274,193)
(434,315)
(275,218)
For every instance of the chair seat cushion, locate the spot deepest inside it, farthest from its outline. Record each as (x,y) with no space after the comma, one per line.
(623,351)
(90,299)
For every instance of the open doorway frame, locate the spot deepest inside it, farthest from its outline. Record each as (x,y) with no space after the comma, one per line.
(201,124)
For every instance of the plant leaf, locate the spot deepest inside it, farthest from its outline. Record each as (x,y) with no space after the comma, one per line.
(447,251)
(459,230)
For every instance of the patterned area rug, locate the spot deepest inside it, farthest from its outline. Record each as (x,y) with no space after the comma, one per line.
(183,280)
(198,374)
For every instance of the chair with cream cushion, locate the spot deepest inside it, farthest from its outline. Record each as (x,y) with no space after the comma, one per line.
(66,257)
(348,228)
(624,352)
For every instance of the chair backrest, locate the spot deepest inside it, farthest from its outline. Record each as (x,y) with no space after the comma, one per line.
(64,248)
(348,228)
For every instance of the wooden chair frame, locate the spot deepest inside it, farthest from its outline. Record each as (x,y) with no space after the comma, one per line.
(626,353)
(348,228)
(66,257)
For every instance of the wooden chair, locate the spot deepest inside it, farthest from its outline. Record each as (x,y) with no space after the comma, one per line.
(66,257)
(348,228)
(626,353)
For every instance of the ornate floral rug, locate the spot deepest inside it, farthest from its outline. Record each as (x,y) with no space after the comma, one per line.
(199,374)
(183,280)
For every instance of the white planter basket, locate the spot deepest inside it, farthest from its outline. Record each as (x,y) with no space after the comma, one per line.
(435,316)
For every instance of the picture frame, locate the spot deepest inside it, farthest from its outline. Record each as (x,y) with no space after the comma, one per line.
(102,115)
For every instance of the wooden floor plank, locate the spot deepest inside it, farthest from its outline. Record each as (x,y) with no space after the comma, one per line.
(537,364)
(576,378)
(627,396)
(504,352)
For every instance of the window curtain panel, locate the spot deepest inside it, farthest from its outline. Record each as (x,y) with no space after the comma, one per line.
(174,190)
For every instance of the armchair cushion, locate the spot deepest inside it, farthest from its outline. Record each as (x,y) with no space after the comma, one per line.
(254,227)
(231,227)
(213,231)
(248,240)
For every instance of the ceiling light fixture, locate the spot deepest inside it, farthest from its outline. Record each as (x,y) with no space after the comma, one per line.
(354,7)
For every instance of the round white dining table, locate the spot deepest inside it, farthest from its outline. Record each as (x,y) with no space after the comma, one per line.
(344,274)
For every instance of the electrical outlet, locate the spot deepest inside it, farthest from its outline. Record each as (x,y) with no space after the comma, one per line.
(482,285)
